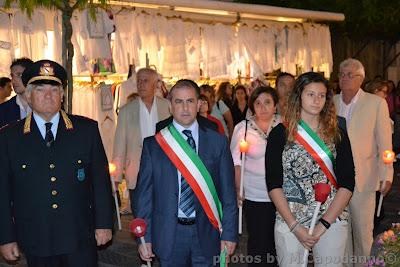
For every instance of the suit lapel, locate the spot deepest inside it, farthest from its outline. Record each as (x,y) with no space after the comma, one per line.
(16,112)
(136,119)
(202,152)
(202,146)
(60,132)
(35,137)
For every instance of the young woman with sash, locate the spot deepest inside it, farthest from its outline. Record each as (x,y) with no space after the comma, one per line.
(309,148)
(259,211)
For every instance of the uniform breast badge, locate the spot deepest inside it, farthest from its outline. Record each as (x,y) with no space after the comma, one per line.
(81,174)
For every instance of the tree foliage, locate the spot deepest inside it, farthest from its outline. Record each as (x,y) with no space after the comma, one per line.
(378,19)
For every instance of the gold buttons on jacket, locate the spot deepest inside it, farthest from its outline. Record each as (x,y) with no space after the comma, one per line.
(52,166)
(53,179)
(54,192)
(79,161)
(23,166)
(54,206)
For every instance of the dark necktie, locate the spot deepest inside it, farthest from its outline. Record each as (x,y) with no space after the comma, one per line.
(187,194)
(49,138)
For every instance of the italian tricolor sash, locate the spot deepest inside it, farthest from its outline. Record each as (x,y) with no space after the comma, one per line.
(317,149)
(192,168)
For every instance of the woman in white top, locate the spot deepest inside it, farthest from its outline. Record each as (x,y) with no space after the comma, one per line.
(259,211)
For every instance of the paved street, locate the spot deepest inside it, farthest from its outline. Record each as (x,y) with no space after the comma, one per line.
(122,251)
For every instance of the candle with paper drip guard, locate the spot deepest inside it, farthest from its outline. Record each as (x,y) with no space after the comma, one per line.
(322,191)
(388,158)
(138,228)
(112,168)
(244,148)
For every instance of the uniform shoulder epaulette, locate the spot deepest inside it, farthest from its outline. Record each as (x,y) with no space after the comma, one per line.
(67,120)
(27,124)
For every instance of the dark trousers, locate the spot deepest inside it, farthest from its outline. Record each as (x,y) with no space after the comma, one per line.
(186,250)
(82,258)
(260,223)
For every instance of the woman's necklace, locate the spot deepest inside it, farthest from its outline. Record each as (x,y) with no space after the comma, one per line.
(264,131)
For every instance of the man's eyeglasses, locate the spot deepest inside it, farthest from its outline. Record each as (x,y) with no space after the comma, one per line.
(348,75)
(16,75)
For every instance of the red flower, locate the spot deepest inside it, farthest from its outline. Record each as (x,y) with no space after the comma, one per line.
(138,227)
(322,191)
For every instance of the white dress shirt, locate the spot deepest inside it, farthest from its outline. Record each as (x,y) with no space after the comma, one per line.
(345,110)
(148,119)
(23,112)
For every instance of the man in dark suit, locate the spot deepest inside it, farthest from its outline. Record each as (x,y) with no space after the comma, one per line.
(17,107)
(183,227)
(55,191)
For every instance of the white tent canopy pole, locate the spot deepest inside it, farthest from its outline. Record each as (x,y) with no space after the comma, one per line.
(231,9)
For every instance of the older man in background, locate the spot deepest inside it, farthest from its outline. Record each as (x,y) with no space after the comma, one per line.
(369,130)
(136,121)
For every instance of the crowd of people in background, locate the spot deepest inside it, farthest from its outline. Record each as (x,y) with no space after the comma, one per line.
(349,131)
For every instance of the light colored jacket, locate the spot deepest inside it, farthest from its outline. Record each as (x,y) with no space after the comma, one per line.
(370,135)
(128,140)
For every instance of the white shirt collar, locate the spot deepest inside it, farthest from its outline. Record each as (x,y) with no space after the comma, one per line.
(194,128)
(23,112)
(148,119)
(40,122)
(354,99)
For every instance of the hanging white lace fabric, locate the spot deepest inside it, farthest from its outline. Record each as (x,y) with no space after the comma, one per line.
(192,49)
(296,49)
(127,41)
(105,115)
(265,54)
(215,49)
(80,63)
(83,100)
(172,39)
(327,59)
(90,38)
(29,35)
(6,47)
(57,36)
(150,40)
(246,37)
(123,90)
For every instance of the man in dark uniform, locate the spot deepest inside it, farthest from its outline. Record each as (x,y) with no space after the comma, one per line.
(55,191)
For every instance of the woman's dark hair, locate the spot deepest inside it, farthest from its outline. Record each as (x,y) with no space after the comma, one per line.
(222,95)
(207,88)
(205,98)
(4,81)
(239,87)
(260,90)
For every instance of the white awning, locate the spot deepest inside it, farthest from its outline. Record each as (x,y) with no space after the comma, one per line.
(228,9)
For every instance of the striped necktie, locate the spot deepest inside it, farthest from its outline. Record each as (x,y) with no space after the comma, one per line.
(187,194)
(49,138)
